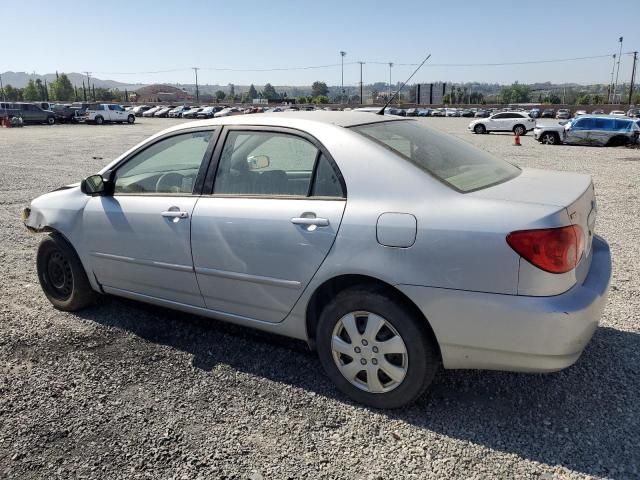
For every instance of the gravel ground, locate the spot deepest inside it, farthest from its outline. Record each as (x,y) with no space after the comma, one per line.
(124,390)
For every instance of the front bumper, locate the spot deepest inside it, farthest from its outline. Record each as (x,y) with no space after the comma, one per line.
(513,332)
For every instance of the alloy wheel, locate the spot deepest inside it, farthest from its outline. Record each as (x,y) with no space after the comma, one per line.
(369,352)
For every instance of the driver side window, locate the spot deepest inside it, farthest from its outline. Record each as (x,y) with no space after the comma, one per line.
(169,166)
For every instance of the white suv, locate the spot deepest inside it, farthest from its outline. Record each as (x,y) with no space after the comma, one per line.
(516,122)
(99,113)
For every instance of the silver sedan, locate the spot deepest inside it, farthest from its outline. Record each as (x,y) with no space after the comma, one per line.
(390,248)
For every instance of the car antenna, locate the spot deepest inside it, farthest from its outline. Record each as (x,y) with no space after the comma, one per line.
(381,111)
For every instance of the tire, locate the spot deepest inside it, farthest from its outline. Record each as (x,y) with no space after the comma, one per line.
(51,120)
(550,138)
(617,142)
(62,276)
(413,366)
(131,119)
(519,130)
(480,129)
(99,120)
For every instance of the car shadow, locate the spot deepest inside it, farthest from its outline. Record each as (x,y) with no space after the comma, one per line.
(585,418)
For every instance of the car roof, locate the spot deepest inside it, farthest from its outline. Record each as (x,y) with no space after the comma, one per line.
(292,119)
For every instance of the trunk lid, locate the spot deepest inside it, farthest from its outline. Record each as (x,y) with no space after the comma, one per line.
(571,191)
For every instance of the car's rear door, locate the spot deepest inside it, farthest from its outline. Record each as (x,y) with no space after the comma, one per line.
(276,205)
(139,237)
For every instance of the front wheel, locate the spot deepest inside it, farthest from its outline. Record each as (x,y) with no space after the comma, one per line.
(51,120)
(375,349)
(480,129)
(99,120)
(62,276)
(131,119)
(549,138)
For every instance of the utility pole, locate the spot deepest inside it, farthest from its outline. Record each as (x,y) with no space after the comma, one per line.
(2,90)
(633,76)
(88,74)
(390,65)
(361,84)
(342,54)
(615,86)
(195,69)
(613,67)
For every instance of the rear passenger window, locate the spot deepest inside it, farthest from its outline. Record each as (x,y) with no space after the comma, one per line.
(265,163)
(327,180)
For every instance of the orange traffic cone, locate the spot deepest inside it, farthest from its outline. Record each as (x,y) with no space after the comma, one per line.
(516,141)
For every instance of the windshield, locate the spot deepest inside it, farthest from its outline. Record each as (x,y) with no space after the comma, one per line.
(452,161)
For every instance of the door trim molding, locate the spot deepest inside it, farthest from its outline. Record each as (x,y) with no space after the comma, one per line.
(142,261)
(245,277)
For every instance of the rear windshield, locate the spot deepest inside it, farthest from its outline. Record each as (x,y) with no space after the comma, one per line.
(452,161)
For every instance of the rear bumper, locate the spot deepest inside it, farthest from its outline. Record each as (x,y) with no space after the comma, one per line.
(513,332)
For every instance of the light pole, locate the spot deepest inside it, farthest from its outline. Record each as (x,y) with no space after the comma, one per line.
(195,69)
(615,86)
(2,90)
(390,65)
(361,84)
(342,54)
(613,67)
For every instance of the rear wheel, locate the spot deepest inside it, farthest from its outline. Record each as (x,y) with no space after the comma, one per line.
(99,120)
(131,119)
(375,349)
(480,129)
(617,142)
(519,130)
(51,120)
(62,276)
(550,138)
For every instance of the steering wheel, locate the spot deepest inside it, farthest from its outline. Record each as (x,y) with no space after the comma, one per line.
(170,182)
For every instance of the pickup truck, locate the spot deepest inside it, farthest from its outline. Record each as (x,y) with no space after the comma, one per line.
(100,113)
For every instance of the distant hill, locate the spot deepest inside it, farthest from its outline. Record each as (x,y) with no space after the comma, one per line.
(20,80)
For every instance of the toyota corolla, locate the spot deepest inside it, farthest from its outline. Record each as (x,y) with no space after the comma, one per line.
(390,248)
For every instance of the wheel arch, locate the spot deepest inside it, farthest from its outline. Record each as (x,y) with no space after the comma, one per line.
(331,287)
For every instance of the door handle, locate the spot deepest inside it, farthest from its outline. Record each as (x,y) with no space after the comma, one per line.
(318,222)
(175,214)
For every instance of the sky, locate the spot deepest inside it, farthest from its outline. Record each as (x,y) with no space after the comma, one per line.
(123,39)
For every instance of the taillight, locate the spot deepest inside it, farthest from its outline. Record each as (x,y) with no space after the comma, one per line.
(554,250)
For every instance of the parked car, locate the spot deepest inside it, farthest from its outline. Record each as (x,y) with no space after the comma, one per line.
(580,112)
(99,113)
(548,113)
(597,112)
(192,112)
(596,130)
(481,113)
(425,112)
(534,113)
(633,112)
(152,111)
(438,112)
(178,111)
(32,113)
(164,111)
(9,109)
(66,113)
(411,112)
(563,114)
(506,273)
(226,112)
(138,110)
(617,113)
(517,122)
(207,112)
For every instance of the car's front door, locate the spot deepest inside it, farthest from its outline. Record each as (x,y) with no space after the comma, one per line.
(277,204)
(139,237)
(579,132)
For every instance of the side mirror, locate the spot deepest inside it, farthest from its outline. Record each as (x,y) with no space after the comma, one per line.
(93,185)
(258,162)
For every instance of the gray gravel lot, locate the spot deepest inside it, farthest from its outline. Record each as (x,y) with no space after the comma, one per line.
(124,390)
